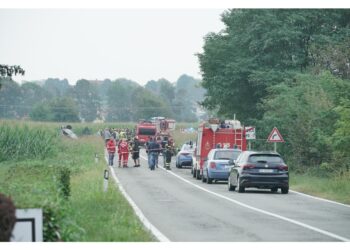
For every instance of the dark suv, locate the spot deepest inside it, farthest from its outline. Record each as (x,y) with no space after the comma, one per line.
(265,170)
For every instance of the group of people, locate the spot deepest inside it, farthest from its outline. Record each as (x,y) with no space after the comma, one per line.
(123,146)
(157,146)
(116,141)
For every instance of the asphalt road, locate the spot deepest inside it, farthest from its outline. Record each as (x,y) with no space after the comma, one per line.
(187,210)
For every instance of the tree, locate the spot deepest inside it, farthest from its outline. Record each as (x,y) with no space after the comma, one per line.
(9,71)
(58,110)
(32,94)
(10,99)
(88,100)
(259,49)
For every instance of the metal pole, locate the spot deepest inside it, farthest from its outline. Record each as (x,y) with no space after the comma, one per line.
(249,145)
(275,146)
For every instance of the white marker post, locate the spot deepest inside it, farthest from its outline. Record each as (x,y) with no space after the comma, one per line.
(96,158)
(105,180)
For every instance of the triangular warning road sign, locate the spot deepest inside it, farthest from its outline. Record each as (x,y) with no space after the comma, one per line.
(275,136)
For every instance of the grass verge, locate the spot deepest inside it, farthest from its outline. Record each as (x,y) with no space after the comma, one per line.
(89,214)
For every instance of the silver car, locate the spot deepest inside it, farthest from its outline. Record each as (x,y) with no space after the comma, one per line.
(216,165)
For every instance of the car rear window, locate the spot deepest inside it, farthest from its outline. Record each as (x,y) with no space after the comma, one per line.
(265,158)
(226,155)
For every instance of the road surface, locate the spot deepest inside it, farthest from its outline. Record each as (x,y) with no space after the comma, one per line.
(186,210)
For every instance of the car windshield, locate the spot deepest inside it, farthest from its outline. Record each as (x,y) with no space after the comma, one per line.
(147,131)
(265,158)
(226,155)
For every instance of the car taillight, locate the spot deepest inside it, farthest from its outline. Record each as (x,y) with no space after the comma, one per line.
(212,165)
(284,167)
(248,166)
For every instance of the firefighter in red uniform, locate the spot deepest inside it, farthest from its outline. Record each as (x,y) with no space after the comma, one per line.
(124,152)
(111,151)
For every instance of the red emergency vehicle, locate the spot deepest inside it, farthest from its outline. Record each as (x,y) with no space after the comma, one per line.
(145,129)
(215,134)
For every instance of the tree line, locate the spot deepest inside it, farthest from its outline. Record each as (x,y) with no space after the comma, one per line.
(288,68)
(112,101)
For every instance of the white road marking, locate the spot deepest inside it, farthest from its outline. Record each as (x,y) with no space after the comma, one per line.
(332,235)
(161,237)
(321,199)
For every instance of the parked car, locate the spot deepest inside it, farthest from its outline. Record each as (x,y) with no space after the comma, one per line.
(265,170)
(216,165)
(184,156)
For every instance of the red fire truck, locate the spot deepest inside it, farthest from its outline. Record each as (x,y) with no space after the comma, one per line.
(155,127)
(145,129)
(213,134)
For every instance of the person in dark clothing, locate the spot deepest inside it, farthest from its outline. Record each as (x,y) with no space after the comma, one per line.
(153,151)
(168,153)
(135,146)
(7,218)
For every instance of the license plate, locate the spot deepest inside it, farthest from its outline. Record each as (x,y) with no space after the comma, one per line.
(266,170)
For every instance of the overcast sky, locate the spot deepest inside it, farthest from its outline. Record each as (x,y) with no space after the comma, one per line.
(141,45)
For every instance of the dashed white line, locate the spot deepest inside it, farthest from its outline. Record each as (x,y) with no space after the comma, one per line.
(332,235)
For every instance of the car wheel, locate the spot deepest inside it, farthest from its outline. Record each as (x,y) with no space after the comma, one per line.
(230,187)
(274,190)
(203,178)
(198,175)
(285,190)
(209,180)
(239,187)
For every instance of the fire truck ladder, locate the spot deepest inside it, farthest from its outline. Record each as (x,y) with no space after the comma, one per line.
(239,138)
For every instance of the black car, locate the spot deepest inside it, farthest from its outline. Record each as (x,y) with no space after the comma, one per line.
(265,170)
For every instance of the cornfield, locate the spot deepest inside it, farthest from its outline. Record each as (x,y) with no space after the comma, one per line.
(22,142)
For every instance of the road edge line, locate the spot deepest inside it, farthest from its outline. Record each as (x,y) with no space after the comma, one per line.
(324,232)
(147,224)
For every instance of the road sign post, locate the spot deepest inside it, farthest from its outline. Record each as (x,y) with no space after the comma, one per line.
(250,135)
(275,136)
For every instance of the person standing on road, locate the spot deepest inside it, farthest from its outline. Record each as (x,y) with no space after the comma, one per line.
(153,150)
(111,151)
(124,152)
(135,146)
(106,135)
(168,153)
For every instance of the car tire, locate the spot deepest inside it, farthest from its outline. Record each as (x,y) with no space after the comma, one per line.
(203,178)
(209,180)
(230,187)
(240,189)
(285,190)
(274,189)
(198,175)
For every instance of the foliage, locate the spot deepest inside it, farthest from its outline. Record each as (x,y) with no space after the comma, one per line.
(260,48)
(57,110)
(64,182)
(306,118)
(18,143)
(88,100)
(7,71)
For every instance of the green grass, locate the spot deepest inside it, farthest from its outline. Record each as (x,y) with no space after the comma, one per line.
(89,214)
(336,188)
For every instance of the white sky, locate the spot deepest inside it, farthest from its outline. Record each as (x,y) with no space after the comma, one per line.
(138,44)
(140,40)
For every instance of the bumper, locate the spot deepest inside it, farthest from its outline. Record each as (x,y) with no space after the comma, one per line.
(264,181)
(185,162)
(219,175)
